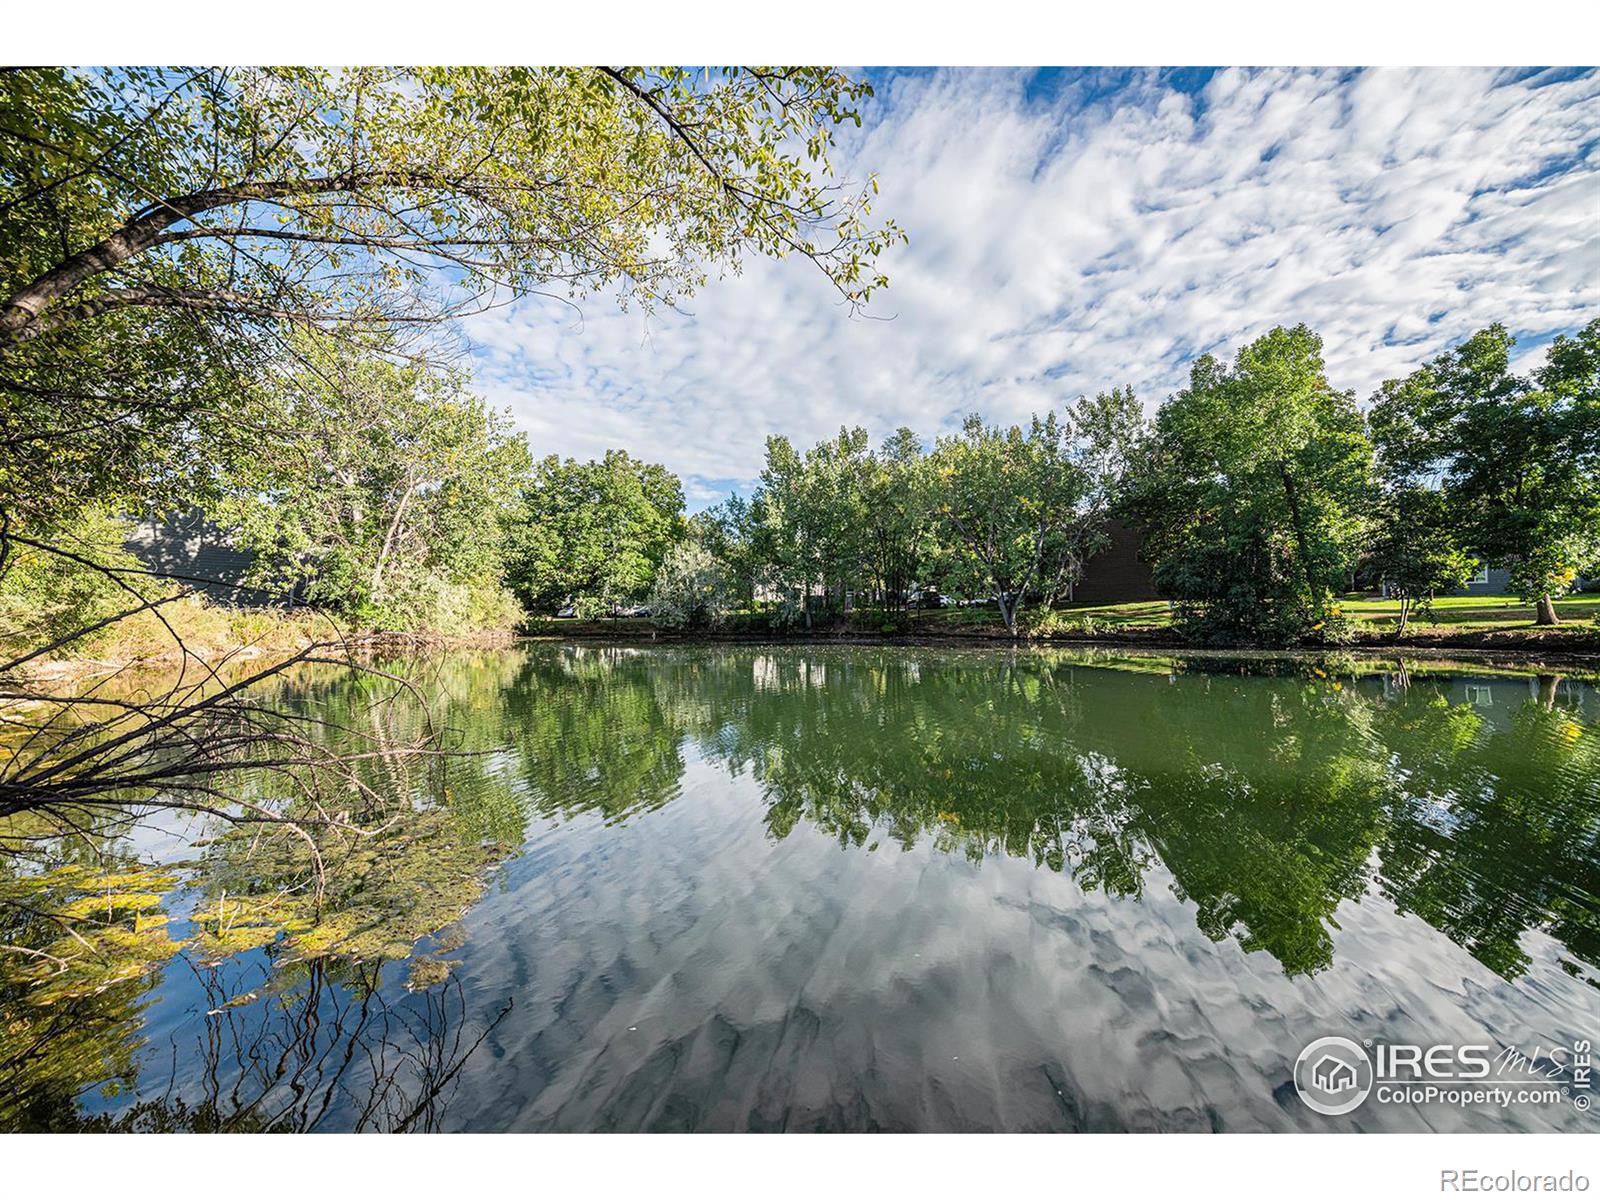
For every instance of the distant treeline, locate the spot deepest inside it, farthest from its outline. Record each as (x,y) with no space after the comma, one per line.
(1262,492)
(395,499)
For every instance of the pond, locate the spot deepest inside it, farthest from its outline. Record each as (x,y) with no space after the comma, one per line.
(861,888)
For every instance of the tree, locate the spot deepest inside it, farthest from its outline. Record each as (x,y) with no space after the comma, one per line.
(1106,432)
(897,513)
(592,533)
(393,498)
(728,530)
(1415,550)
(1007,503)
(164,228)
(690,588)
(1253,491)
(811,511)
(165,232)
(51,602)
(1518,458)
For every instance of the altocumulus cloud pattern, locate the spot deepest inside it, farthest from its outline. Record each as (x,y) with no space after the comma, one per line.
(1072,230)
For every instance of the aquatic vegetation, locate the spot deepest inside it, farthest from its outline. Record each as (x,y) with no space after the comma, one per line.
(381,894)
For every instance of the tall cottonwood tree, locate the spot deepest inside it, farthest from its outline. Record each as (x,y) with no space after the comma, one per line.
(1007,503)
(389,515)
(1517,457)
(1254,488)
(591,533)
(1106,431)
(898,512)
(810,512)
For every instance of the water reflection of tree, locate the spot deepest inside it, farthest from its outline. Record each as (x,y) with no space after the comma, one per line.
(1266,803)
(319,906)
(1262,802)
(49,1056)
(1269,801)
(1498,832)
(329,1050)
(593,733)
(82,939)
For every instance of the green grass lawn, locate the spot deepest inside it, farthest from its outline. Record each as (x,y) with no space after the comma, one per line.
(1451,614)
(1461,613)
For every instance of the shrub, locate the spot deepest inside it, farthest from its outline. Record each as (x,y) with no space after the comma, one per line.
(432,604)
(691,588)
(45,597)
(1049,623)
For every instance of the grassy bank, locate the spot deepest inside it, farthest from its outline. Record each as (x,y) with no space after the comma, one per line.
(198,629)
(1457,622)
(193,628)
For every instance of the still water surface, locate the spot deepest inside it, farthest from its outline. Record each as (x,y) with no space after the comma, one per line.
(752,888)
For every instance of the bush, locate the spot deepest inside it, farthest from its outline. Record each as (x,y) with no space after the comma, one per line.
(691,588)
(1267,624)
(45,597)
(1049,623)
(432,604)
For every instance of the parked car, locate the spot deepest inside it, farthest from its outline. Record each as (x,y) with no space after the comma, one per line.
(566,612)
(637,610)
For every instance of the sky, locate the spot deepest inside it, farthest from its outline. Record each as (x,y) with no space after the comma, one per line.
(1074,230)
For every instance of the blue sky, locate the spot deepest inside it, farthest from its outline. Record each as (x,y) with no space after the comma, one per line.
(1071,230)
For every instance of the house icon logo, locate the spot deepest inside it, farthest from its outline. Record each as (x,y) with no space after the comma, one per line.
(1333,1076)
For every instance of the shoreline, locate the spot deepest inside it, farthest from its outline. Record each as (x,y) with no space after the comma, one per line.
(1520,649)
(290,642)
(1580,645)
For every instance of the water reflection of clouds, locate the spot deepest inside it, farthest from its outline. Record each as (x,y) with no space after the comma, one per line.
(795,984)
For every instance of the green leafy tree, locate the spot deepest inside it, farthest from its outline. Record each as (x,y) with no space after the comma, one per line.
(1007,507)
(592,533)
(728,530)
(1106,433)
(1415,551)
(389,511)
(691,588)
(898,513)
(1254,489)
(52,603)
(164,227)
(812,517)
(1518,458)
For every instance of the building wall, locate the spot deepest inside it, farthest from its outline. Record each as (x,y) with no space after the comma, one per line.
(1116,575)
(196,553)
(1499,584)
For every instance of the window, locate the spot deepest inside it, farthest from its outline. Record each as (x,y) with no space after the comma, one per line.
(1483,574)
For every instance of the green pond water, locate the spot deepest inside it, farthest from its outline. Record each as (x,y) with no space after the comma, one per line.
(859,888)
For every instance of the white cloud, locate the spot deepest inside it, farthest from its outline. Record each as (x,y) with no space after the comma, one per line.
(1063,244)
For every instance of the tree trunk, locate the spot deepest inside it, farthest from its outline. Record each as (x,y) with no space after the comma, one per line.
(1292,496)
(1547,612)
(1008,615)
(390,539)
(1405,617)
